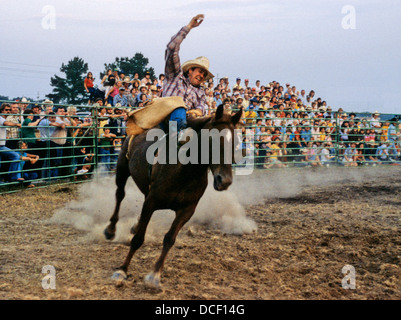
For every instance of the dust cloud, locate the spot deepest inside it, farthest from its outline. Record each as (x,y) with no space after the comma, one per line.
(222,211)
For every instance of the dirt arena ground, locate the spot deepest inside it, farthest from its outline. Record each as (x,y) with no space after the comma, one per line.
(303,240)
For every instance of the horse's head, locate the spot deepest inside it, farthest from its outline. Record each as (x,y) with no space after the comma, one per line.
(221,146)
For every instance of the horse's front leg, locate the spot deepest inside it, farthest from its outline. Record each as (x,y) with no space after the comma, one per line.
(138,239)
(182,217)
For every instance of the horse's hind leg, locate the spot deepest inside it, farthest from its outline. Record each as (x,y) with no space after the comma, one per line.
(182,217)
(122,176)
(138,239)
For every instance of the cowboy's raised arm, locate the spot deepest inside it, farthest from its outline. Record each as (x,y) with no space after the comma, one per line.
(173,65)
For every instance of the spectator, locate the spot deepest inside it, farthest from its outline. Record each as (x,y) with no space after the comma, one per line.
(306,136)
(382,153)
(237,85)
(360,158)
(13,133)
(121,98)
(145,80)
(28,129)
(114,90)
(106,84)
(89,87)
(312,154)
(131,98)
(104,147)
(301,160)
(375,122)
(26,164)
(275,152)
(84,164)
(36,111)
(5,152)
(350,155)
(325,157)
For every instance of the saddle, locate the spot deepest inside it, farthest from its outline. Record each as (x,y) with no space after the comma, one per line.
(151,115)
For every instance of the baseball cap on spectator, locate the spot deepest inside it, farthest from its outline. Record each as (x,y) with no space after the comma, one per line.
(216,93)
(376,113)
(122,89)
(246,80)
(238,79)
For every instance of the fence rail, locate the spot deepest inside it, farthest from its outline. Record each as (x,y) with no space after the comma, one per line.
(57,143)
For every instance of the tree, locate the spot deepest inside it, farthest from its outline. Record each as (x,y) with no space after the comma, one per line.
(129,66)
(70,89)
(5,98)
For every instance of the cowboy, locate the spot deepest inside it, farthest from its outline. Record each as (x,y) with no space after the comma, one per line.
(186,80)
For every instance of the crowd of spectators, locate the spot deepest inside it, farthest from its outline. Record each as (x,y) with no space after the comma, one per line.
(281,125)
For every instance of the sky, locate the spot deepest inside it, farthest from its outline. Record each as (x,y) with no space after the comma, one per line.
(348,52)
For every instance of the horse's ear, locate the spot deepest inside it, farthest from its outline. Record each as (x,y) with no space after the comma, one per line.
(219,112)
(236,117)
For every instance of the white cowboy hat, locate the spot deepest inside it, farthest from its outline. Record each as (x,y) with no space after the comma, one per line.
(200,62)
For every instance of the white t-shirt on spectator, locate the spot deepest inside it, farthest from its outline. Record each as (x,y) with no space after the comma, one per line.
(324,154)
(3,131)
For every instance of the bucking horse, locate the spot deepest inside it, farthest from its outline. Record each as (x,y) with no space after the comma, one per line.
(177,187)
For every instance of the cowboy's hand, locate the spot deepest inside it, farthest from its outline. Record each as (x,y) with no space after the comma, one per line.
(196,21)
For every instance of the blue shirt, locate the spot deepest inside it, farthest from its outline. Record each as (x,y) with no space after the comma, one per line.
(391,132)
(382,151)
(46,131)
(120,99)
(306,135)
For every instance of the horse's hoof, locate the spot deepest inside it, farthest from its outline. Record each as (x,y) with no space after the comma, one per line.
(108,235)
(152,280)
(119,275)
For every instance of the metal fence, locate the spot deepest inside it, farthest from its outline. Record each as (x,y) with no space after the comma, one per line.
(61,144)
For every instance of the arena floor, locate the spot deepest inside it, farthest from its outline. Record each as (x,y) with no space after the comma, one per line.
(297,232)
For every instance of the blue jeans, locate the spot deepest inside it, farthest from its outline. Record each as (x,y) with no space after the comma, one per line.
(104,157)
(14,165)
(179,115)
